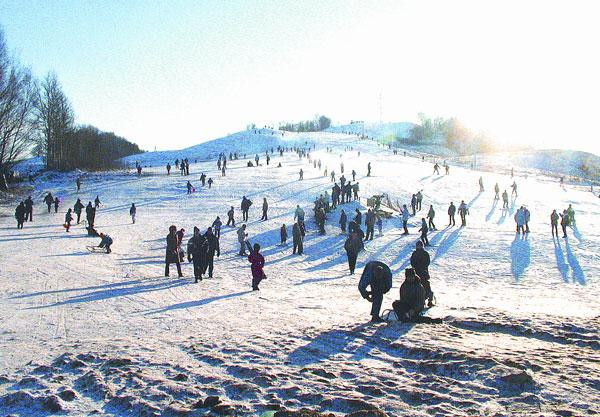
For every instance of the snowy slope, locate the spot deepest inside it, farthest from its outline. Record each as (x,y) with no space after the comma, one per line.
(110,335)
(376,130)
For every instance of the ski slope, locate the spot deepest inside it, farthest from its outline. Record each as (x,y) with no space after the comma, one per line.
(85,333)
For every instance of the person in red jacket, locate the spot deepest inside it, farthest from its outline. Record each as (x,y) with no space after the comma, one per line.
(258,262)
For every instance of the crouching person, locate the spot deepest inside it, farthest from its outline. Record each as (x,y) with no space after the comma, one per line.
(412,300)
(378,277)
(105,242)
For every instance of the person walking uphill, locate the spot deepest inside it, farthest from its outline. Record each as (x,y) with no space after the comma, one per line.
(197,250)
(297,237)
(242,235)
(78,208)
(172,252)
(378,276)
(68,219)
(451,214)
(353,246)
(49,200)
(20,215)
(424,229)
(257,262)
(213,248)
(431,216)
(230,219)
(29,209)
(420,261)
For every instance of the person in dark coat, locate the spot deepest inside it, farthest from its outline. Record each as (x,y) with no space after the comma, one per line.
(370,223)
(90,214)
(216,227)
(245,206)
(20,215)
(413,204)
(106,242)
(283,234)
(412,297)
(420,261)
(230,219)
(49,200)
(451,214)
(56,203)
(378,277)
(343,220)
(78,208)
(213,248)
(353,245)
(168,169)
(265,207)
(132,212)
(189,186)
(257,262)
(29,209)
(97,202)
(210,182)
(197,250)
(78,183)
(172,252)
(68,219)
(203,179)
(297,238)
(358,217)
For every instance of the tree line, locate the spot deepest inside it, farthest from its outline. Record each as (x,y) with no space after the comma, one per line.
(316,125)
(37,116)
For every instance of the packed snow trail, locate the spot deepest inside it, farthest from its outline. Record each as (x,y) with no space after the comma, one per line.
(521,315)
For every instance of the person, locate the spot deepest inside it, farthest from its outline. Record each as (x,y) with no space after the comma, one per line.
(283,234)
(514,189)
(216,227)
(424,229)
(246,203)
(301,174)
(447,167)
(265,207)
(203,179)
(353,175)
(355,190)
(564,222)
(353,246)
(481,189)
(97,202)
(132,211)
(78,208)
(230,219)
(90,214)
(242,235)
(369,169)
(379,221)
(189,187)
(554,223)
(78,183)
(343,220)
(332,176)
(370,223)
(451,214)
(210,182)
(197,251)
(527,214)
(412,300)
(299,215)
(420,261)
(56,203)
(20,215)
(172,252)
(413,204)
(257,262)
(431,216)
(496,191)
(105,242)
(504,199)
(512,172)
(320,219)
(29,209)
(405,217)
(68,219)
(436,169)
(419,200)
(49,200)
(378,277)
(168,168)
(463,211)
(213,248)
(571,214)
(180,235)
(298,238)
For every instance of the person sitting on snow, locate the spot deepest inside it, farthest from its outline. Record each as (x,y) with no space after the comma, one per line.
(412,300)
(106,242)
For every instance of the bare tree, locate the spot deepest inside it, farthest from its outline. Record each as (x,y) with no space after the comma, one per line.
(17,95)
(55,122)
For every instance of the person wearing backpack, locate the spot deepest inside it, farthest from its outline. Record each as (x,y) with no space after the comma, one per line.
(378,277)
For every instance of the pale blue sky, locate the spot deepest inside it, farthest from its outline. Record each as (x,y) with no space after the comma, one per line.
(173,73)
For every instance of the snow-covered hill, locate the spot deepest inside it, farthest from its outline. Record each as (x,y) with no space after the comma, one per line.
(87,333)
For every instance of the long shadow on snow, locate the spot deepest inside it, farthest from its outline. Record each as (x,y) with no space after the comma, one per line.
(196,303)
(491,213)
(95,287)
(562,266)
(520,254)
(578,274)
(335,341)
(105,294)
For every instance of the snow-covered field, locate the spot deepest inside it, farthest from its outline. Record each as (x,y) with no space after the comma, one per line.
(84,333)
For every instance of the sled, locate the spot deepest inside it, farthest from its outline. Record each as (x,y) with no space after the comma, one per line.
(95,249)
